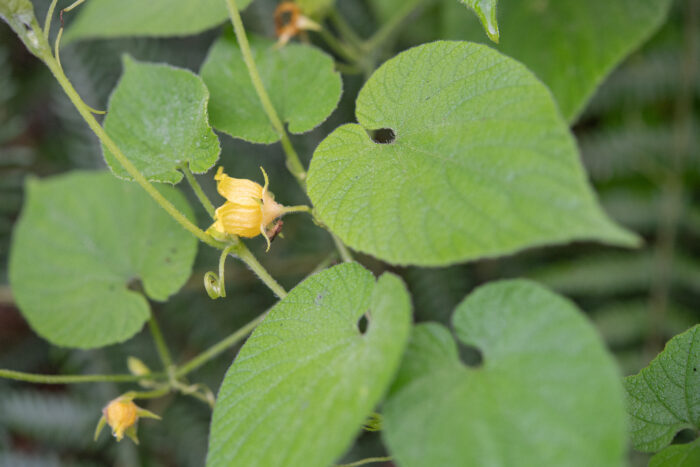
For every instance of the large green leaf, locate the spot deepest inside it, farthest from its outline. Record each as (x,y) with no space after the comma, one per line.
(307,378)
(664,397)
(158,117)
(482,163)
(303,86)
(546,394)
(121,18)
(678,455)
(570,44)
(82,241)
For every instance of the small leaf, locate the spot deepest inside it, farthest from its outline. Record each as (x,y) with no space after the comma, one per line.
(82,240)
(486,11)
(664,397)
(300,79)
(123,18)
(475,162)
(678,455)
(158,117)
(538,398)
(570,45)
(10,8)
(303,385)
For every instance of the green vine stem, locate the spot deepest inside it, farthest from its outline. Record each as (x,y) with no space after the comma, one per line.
(161,346)
(293,162)
(252,262)
(76,379)
(219,347)
(197,188)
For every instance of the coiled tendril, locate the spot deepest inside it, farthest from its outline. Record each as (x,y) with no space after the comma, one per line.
(215,284)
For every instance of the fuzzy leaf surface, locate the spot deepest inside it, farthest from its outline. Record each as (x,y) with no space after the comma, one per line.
(664,397)
(156,18)
(538,398)
(482,163)
(158,117)
(571,45)
(304,383)
(301,81)
(82,241)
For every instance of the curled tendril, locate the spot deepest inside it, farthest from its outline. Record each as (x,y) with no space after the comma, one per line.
(214,284)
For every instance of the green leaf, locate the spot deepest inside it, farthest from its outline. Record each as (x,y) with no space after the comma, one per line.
(664,397)
(123,18)
(10,8)
(486,12)
(482,163)
(538,398)
(571,45)
(304,383)
(303,86)
(158,117)
(678,455)
(81,242)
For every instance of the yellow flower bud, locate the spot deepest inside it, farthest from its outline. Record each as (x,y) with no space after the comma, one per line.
(121,414)
(249,207)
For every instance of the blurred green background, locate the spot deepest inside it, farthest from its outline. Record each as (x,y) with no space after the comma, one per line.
(639,139)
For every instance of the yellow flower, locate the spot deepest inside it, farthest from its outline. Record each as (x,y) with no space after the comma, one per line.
(249,207)
(121,414)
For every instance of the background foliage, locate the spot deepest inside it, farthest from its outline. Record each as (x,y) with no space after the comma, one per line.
(631,136)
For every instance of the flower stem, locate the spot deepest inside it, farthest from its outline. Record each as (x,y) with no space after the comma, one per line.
(71,379)
(293,163)
(244,254)
(197,188)
(219,347)
(161,346)
(148,394)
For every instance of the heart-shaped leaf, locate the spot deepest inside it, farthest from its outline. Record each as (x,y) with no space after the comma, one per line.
(158,117)
(571,45)
(123,18)
(303,384)
(476,162)
(82,241)
(539,397)
(664,397)
(301,81)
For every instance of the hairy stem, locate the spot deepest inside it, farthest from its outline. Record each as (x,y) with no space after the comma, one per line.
(244,254)
(197,188)
(219,347)
(72,379)
(293,162)
(161,346)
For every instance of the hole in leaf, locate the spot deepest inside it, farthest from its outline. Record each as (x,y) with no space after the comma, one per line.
(470,355)
(684,436)
(136,285)
(383,136)
(363,323)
